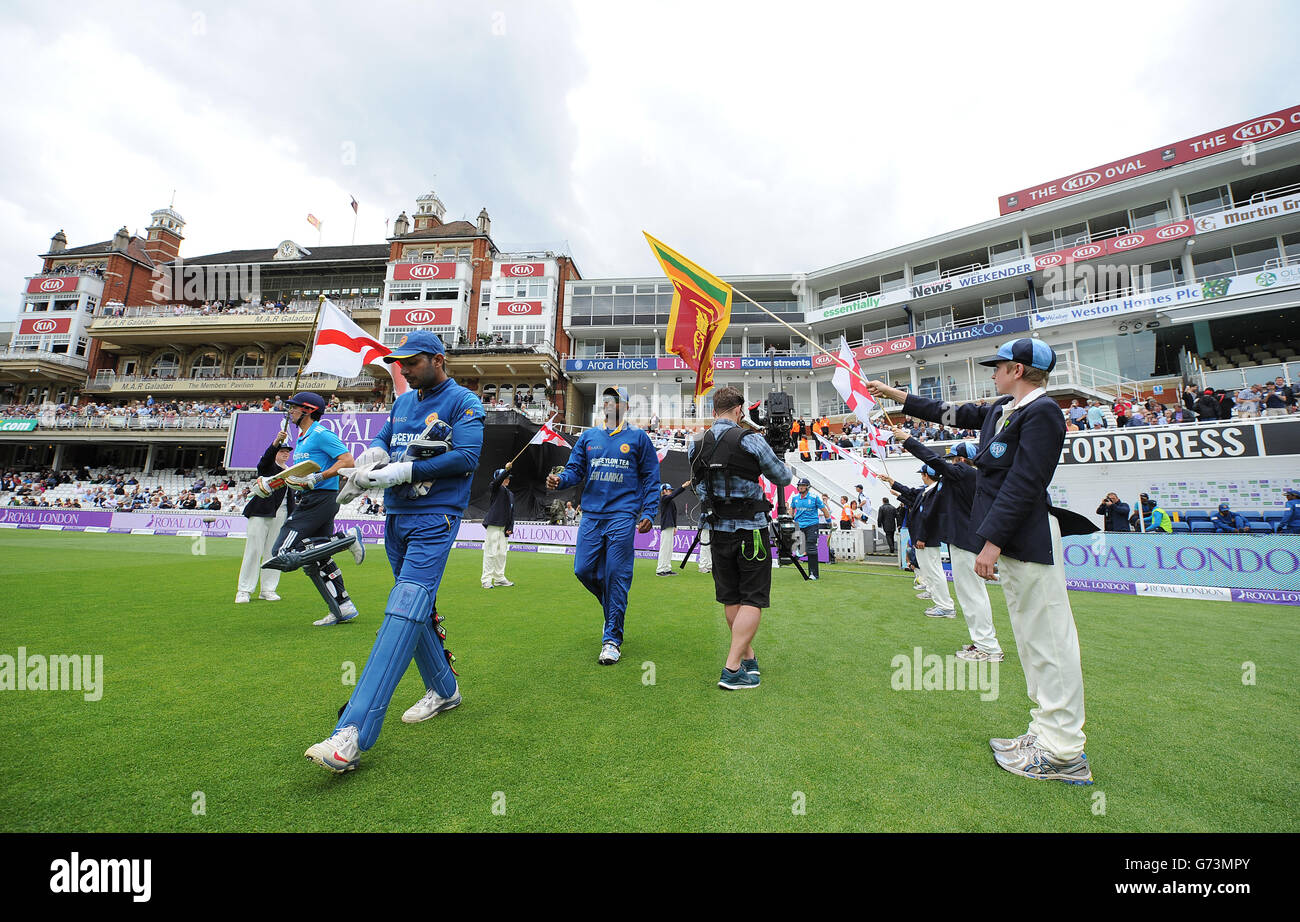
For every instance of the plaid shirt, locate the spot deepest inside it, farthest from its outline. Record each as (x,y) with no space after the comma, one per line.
(726,486)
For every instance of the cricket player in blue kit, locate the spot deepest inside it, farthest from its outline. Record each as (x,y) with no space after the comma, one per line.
(424,458)
(620,469)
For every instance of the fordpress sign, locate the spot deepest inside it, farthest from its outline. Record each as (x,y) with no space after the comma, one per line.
(1003,328)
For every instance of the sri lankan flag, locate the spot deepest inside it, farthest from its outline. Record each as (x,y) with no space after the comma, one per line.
(700,315)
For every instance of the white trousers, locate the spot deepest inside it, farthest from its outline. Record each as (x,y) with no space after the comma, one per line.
(973,594)
(930,560)
(706,552)
(495,547)
(1048,643)
(258,548)
(666,549)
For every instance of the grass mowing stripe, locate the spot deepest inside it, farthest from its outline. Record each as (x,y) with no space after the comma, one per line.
(204,695)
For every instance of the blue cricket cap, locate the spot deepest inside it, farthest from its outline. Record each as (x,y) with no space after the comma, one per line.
(618,392)
(307,399)
(1223,507)
(1295,490)
(966,450)
(928,471)
(665,486)
(1033,353)
(804,482)
(414,343)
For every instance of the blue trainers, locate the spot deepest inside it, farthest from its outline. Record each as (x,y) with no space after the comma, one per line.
(750,665)
(733,681)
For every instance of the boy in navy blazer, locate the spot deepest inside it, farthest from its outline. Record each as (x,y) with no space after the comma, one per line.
(1021,436)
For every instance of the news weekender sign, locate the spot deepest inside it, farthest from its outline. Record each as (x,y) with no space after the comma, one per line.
(924,290)
(251,432)
(1178,443)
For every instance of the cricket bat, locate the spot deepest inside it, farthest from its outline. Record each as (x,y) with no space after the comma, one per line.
(301,469)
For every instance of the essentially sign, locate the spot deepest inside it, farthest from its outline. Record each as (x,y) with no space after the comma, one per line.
(523,270)
(1247,214)
(35,326)
(423,272)
(519,309)
(1002,328)
(49,285)
(17,425)
(1273,125)
(251,431)
(1112,246)
(420,317)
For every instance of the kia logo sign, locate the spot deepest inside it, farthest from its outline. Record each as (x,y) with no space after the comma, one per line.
(519,307)
(1258,129)
(426,271)
(873,351)
(1132,240)
(1081,181)
(419,318)
(52,285)
(1173,230)
(44,326)
(1052,259)
(899,345)
(1087,251)
(521,269)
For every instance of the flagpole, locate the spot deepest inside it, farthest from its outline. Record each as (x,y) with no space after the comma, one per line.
(355,215)
(311,342)
(530,442)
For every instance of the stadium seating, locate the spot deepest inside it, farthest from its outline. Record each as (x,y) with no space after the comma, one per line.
(1195,516)
(1259,525)
(1182,527)
(1201,527)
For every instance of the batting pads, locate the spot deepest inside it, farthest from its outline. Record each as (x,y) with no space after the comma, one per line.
(407,630)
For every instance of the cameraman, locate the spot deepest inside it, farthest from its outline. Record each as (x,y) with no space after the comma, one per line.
(1114,513)
(725,466)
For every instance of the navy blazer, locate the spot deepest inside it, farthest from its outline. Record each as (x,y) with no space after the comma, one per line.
(916,514)
(951,513)
(1015,464)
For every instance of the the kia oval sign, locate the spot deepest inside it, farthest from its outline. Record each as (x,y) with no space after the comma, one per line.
(1081,181)
(1260,128)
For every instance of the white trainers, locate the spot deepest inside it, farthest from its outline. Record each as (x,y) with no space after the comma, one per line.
(328,619)
(975,654)
(923,595)
(487,585)
(503,582)
(358,549)
(339,753)
(428,706)
(241,598)
(609,655)
(937,612)
(269,597)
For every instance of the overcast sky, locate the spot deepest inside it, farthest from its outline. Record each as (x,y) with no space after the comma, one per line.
(755,137)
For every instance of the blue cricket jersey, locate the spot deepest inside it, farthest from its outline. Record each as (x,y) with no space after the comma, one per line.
(450,472)
(621,471)
(805,509)
(323,447)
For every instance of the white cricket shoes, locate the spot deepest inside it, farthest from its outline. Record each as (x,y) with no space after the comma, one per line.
(430,705)
(269,597)
(609,655)
(241,598)
(339,753)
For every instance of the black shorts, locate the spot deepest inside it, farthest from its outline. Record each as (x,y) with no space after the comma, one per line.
(738,579)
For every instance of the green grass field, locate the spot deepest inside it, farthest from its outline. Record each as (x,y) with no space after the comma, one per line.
(203,695)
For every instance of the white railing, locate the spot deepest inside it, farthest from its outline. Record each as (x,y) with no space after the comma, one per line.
(115,422)
(34,355)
